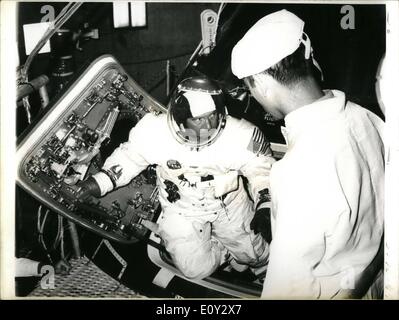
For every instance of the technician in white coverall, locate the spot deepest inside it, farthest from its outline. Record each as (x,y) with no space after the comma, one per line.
(328,191)
(200,153)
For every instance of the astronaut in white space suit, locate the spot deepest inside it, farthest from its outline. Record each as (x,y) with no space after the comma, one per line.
(201,154)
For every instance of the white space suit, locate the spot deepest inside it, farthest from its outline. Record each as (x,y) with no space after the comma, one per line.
(205,208)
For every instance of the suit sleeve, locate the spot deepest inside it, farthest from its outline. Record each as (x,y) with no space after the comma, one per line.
(256,168)
(129,159)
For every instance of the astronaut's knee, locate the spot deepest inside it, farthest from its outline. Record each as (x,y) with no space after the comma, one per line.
(194,274)
(197,271)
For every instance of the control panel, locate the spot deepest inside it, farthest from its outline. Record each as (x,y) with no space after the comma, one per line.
(64,147)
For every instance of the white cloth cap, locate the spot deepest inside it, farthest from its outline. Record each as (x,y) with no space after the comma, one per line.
(267,42)
(200,102)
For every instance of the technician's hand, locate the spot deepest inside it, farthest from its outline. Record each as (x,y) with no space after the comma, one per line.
(261,224)
(88,188)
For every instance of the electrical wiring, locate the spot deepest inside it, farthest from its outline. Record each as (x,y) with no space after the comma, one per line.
(62,248)
(58,236)
(195,53)
(40,228)
(59,239)
(221,7)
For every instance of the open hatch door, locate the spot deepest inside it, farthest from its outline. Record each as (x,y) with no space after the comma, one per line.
(66,145)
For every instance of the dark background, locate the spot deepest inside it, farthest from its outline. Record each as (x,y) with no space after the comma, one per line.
(349,59)
(173,32)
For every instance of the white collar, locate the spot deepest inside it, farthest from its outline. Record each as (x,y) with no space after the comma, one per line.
(317,111)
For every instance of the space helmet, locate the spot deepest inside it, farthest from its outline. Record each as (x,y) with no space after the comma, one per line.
(197,98)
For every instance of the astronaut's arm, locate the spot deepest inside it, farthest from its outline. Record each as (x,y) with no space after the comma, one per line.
(125,163)
(256,168)
(257,173)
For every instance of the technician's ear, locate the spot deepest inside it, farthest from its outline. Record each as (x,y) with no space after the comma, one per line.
(261,83)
